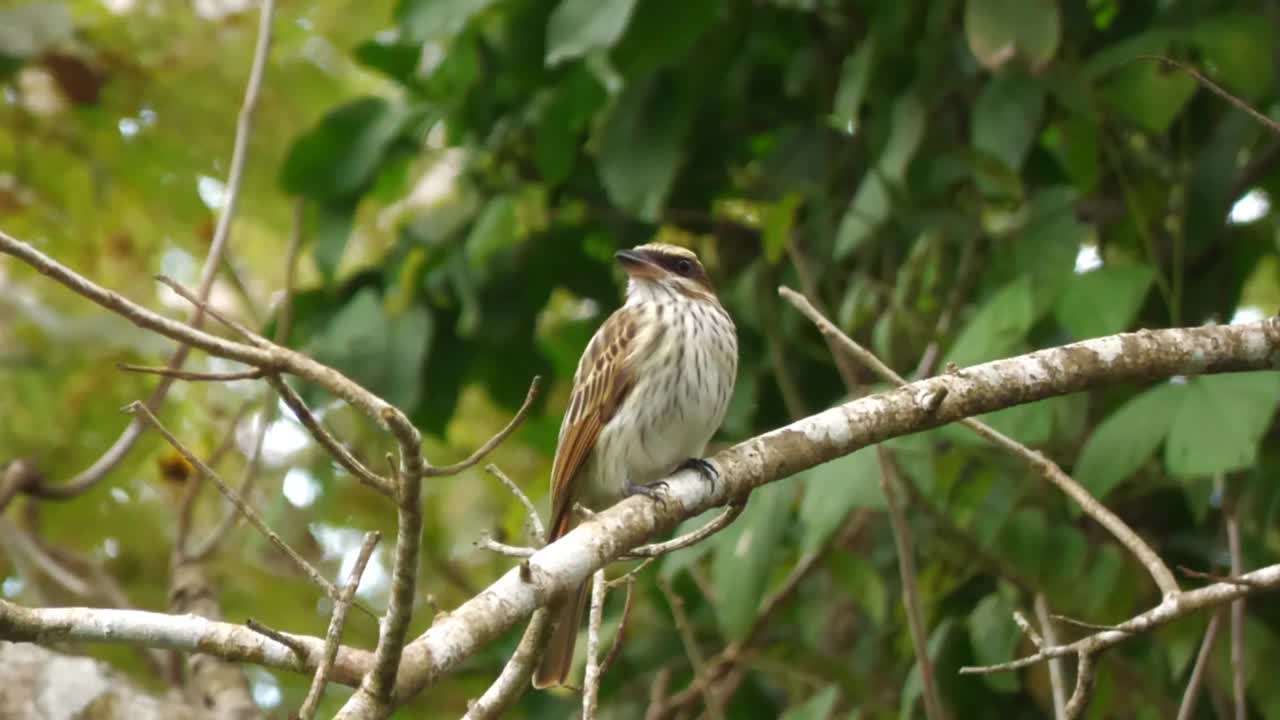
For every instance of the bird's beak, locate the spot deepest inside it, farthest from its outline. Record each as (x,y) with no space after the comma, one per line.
(637,265)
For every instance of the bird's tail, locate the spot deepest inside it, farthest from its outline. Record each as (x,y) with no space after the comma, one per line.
(558,659)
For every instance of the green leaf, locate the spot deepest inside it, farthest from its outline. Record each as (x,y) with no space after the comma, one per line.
(662,33)
(339,157)
(1000,30)
(778,219)
(493,232)
(1000,323)
(855,76)
(1126,439)
(817,707)
(578,27)
(573,103)
(330,223)
(834,488)
(1238,50)
(640,147)
(410,336)
(871,203)
(994,636)
(744,556)
(1104,301)
(1220,422)
(422,20)
(859,580)
(1148,95)
(1006,117)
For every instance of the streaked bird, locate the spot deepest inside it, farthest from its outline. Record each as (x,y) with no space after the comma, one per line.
(650,390)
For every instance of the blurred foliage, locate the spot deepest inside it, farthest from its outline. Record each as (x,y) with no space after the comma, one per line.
(988,175)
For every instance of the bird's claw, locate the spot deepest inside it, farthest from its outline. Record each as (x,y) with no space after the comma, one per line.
(655,491)
(703,467)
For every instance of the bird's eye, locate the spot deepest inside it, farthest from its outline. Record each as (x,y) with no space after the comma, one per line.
(684,267)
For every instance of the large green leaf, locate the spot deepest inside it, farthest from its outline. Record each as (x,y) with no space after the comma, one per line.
(744,556)
(330,223)
(1126,439)
(422,20)
(855,76)
(663,32)
(339,156)
(834,488)
(1220,422)
(1104,301)
(1006,117)
(641,147)
(1237,51)
(1000,30)
(999,324)
(578,27)
(494,231)
(1148,95)
(573,103)
(993,635)
(872,201)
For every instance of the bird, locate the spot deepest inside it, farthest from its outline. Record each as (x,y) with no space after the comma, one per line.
(650,391)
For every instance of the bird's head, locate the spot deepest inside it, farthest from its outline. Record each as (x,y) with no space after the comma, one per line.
(666,266)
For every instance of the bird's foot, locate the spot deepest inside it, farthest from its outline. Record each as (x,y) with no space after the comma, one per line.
(656,491)
(704,468)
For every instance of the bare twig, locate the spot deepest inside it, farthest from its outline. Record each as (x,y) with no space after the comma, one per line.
(1086,625)
(298,648)
(1184,604)
(621,634)
(685,631)
(1057,679)
(191,375)
(535,520)
(595,617)
(1214,88)
(515,675)
(1084,687)
(488,543)
(493,442)
(1042,465)
(1028,629)
(326,439)
(1212,577)
(1239,698)
(101,467)
(333,638)
(720,522)
(910,593)
(1187,710)
(201,550)
(250,514)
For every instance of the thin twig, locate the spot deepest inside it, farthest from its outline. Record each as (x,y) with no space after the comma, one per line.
(1098,627)
(493,442)
(1187,710)
(192,376)
(685,631)
(595,617)
(1214,88)
(1044,467)
(910,592)
(248,335)
(203,549)
(1028,629)
(721,521)
(1213,577)
(535,520)
(1239,698)
(515,675)
(250,514)
(296,647)
(326,439)
(488,543)
(1084,687)
(621,634)
(333,637)
(1057,678)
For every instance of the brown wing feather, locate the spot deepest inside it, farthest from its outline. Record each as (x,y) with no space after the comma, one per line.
(600,384)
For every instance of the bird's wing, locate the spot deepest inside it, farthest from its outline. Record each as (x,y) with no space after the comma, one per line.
(600,384)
